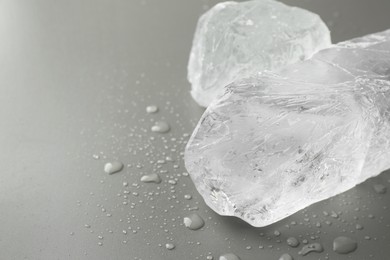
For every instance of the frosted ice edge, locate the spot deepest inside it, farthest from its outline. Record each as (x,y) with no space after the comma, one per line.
(276,143)
(235,40)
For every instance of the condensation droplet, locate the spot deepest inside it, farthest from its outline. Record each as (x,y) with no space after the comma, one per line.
(161,127)
(380,189)
(151,109)
(286,257)
(292,241)
(153,177)
(229,256)
(113,167)
(193,222)
(314,247)
(169,246)
(359,227)
(344,245)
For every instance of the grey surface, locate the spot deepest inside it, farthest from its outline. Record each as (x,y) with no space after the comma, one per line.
(75,78)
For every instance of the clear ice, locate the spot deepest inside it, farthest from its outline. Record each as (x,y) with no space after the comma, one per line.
(234,40)
(277,142)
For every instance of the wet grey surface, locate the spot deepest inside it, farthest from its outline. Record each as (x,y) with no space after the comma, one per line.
(75,80)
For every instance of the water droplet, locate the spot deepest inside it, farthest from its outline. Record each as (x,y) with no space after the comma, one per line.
(173,182)
(229,256)
(153,177)
(169,246)
(314,247)
(292,241)
(344,245)
(277,233)
(151,109)
(359,227)
(193,222)
(187,196)
(380,189)
(161,127)
(286,257)
(209,257)
(113,167)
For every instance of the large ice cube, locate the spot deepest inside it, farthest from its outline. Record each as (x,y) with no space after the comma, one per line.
(278,142)
(234,40)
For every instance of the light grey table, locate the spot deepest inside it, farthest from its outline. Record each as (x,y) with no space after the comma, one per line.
(75,78)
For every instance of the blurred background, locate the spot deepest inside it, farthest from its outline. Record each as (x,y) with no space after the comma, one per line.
(75,80)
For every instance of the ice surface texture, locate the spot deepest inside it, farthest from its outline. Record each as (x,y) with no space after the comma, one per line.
(278,142)
(235,40)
